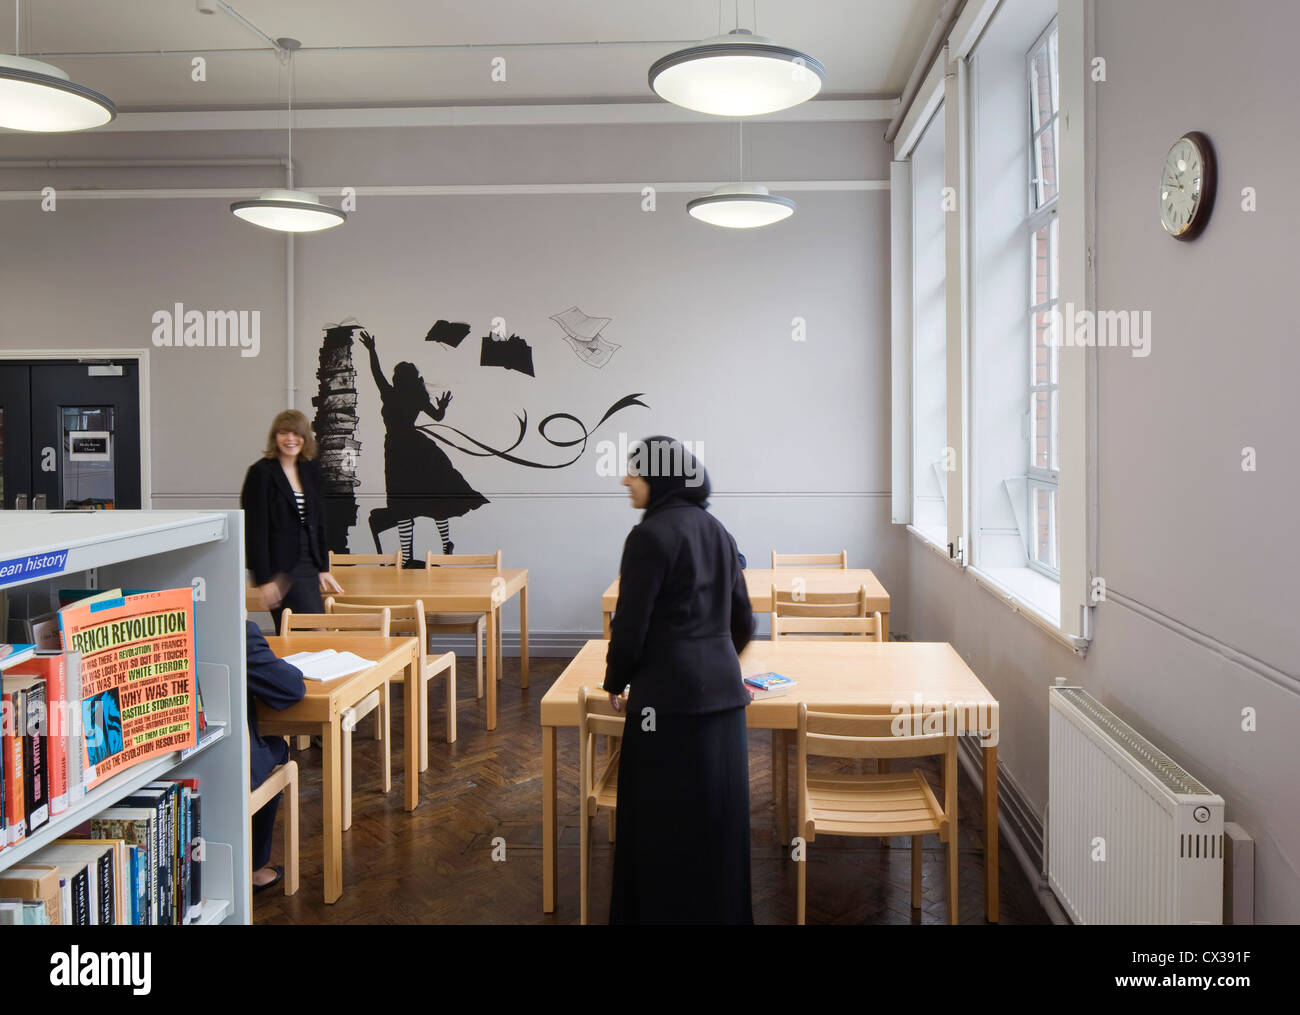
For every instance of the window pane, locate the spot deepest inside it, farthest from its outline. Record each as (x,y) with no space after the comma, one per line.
(1053,260)
(1040,83)
(1055,427)
(1055,74)
(1040,410)
(1042,347)
(1046,511)
(1040,290)
(1045,165)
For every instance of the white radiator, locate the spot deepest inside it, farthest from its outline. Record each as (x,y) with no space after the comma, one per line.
(1131,837)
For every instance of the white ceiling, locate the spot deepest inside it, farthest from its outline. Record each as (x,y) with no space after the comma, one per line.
(867,46)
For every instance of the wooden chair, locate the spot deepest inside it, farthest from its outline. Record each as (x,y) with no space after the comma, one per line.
(465,623)
(407,619)
(596,790)
(393,559)
(814,616)
(376,623)
(879,804)
(839,560)
(810,616)
(283,778)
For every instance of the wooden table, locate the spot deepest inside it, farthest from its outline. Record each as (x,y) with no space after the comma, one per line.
(319,713)
(815,579)
(445,590)
(849,672)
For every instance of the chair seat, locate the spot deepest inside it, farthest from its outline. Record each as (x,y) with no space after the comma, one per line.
(870,805)
(604,792)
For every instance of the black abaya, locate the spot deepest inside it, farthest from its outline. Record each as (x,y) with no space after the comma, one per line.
(681,851)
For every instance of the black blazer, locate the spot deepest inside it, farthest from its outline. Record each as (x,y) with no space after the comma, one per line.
(683,614)
(280,685)
(272,529)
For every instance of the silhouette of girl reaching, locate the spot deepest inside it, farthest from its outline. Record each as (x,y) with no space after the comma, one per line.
(418,475)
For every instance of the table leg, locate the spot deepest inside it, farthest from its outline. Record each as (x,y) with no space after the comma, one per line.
(780,787)
(523,635)
(493,624)
(412,691)
(884,627)
(332,806)
(991,831)
(606,618)
(550,865)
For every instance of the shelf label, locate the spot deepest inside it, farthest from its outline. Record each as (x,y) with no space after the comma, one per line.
(37,565)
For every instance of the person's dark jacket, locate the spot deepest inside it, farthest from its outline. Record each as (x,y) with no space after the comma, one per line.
(683,611)
(272,529)
(277,684)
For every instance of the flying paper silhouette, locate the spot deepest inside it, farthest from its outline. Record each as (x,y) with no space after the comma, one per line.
(582,332)
(448,333)
(512,353)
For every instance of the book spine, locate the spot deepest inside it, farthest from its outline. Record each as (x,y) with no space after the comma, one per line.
(15,794)
(65,903)
(187,867)
(81,898)
(76,736)
(107,884)
(57,741)
(196,847)
(34,739)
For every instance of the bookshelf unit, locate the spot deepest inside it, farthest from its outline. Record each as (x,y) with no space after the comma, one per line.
(165,549)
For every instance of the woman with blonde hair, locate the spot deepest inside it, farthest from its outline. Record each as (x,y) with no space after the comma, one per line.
(284,520)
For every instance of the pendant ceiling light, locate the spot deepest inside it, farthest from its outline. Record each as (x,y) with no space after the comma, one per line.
(741,205)
(289,211)
(39,97)
(738,74)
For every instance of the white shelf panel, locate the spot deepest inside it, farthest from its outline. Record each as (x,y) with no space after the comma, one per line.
(104,796)
(214,911)
(99,538)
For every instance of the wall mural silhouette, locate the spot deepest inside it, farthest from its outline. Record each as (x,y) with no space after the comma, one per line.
(420,478)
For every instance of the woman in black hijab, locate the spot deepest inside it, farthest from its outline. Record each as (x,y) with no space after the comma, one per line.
(681,851)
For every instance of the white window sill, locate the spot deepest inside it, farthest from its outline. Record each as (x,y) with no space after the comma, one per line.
(934,539)
(1031,594)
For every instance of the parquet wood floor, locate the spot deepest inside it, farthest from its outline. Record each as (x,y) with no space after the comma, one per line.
(435,864)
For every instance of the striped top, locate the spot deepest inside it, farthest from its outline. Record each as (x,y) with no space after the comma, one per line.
(302,505)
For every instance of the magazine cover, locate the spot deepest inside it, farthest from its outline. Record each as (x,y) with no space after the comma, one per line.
(137,677)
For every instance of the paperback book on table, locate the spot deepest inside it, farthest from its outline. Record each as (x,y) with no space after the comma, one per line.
(768,685)
(138,685)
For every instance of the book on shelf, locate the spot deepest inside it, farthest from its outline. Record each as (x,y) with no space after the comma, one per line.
(99,860)
(15,805)
(138,827)
(51,668)
(16,911)
(13,654)
(26,695)
(768,685)
(138,684)
(34,883)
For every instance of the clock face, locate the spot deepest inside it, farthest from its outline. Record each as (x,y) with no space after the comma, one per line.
(1187,187)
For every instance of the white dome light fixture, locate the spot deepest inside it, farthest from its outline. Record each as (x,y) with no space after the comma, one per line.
(40,98)
(741,206)
(738,74)
(289,211)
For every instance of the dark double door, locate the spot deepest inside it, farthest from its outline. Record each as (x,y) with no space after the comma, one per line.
(69,434)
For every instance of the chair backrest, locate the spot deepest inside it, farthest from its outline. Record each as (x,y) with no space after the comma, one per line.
(867,731)
(838,560)
(393,559)
(818,614)
(406,618)
(376,621)
(596,718)
(432,559)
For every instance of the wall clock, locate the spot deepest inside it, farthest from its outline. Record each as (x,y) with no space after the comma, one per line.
(1187,185)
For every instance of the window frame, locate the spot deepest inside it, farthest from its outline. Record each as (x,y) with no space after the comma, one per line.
(1037,216)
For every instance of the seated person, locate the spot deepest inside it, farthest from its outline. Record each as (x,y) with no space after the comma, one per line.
(279,685)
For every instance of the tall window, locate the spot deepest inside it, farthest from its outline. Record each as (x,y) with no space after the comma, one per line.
(1040,227)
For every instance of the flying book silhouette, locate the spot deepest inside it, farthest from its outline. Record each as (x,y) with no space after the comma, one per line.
(450,333)
(512,353)
(582,332)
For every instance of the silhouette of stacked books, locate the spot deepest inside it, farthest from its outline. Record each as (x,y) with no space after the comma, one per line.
(335,427)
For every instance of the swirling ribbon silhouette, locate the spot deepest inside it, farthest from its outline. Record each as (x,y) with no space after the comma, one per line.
(486,451)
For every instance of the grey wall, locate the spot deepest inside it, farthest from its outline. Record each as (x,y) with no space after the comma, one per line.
(1196,553)
(794,433)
